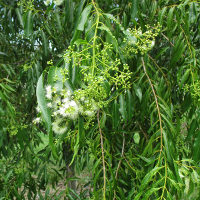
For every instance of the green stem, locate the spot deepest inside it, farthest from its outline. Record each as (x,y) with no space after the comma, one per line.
(95,37)
(103,158)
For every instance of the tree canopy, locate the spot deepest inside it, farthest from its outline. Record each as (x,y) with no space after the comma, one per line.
(101,97)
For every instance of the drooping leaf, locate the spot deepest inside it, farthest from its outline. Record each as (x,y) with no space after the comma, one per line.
(83,18)
(122,108)
(46,114)
(28,27)
(148,177)
(42,103)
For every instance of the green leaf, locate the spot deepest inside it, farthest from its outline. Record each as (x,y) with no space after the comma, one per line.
(80,42)
(77,144)
(137,197)
(178,50)
(138,93)
(148,177)
(136,138)
(175,184)
(134,9)
(55,78)
(19,16)
(43,144)
(115,114)
(185,77)
(161,15)
(167,148)
(170,21)
(2,53)
(46,114)
(150,192)
(196,148)
(114,40)
(75,75)
(45,44)
(42,103)
(130,107)
(28,28)
(83,18)
(59,25)
(122,106)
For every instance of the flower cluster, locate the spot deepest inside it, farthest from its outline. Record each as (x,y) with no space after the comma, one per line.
(194,90)
(65,107)
(56,2)
(137,41)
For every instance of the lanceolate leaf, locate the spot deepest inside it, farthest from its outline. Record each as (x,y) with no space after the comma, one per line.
(170,21)
(134,9)
(46,114)
(42,103)
(45,44)
(84,17)
(28,24)
(115,114)
(150,192)
(196,148)
(20,18)
(130,104)
(148,177)
(122,108)
(55,78)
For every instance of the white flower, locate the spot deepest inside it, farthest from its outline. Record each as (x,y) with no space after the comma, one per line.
(152,44)
(81,110)
(38,109)
(47,2)
(48,92)
(62,111)
(37,120)
(55,113)
(73,110)
(89,113)
(48,88)
(73,103)
(48,96)
(65,100)
(57,128)
(73,115)
(57,101)
(94,106)
(66,105)
(82,98)
(69,93)
(49,105)
(58,2)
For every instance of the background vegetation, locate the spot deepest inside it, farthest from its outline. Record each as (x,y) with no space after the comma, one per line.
(137,64)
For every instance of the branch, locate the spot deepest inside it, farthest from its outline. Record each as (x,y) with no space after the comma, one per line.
(122,155)
(119,164)
(158,108)
(103,160)
(167,39)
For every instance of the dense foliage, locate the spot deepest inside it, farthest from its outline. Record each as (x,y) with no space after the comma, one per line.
(99,99)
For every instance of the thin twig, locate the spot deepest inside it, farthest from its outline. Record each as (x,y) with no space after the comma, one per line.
(122,155)
(103,160)
(165,77)
(145,135)
(119,164)
(158,67)
(167,39)
(158,109)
